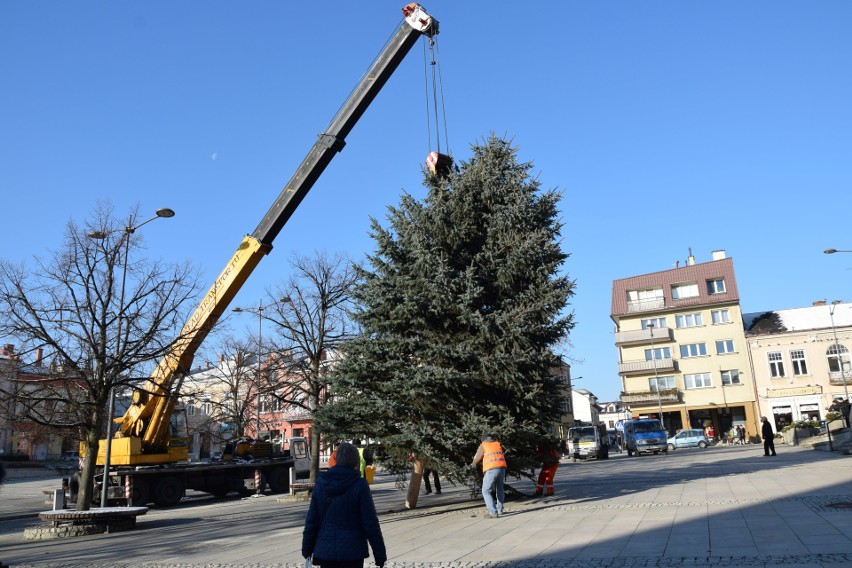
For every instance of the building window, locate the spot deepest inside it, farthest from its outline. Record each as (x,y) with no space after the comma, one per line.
(725,346)
(206,408)
(731,377)
(800,364)
(658,353)
(688,320)
(693,350)
(666,383)
(681,291)
(776,365)
(698,381)
(657,323)
(190,408)
(838,355)
(720,316)
(640,300)
(716,286)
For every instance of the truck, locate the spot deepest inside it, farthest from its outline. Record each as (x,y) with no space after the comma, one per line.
(586,442)
(645,435)
(146,458)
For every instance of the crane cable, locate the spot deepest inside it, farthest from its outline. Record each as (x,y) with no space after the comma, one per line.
(438,161)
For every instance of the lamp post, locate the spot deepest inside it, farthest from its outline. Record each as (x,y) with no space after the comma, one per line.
(837,346)
(128,230)
(259,311)
(656,377)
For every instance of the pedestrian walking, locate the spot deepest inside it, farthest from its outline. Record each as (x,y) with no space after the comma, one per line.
(768,437)
(434,473)
(490,453)
(342,518)
(741,435)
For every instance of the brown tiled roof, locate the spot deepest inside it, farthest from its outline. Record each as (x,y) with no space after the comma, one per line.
(698,273)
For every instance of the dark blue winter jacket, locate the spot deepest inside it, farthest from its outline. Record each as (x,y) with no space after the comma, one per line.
(342,518)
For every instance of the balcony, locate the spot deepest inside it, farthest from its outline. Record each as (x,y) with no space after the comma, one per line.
(645,367)
(634,306)
(836,377)
(669,395)
(643,336)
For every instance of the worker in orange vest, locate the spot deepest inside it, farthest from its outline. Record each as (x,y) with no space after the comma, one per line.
(490,452)
(550,463)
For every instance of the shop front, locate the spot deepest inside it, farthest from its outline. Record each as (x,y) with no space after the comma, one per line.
(786,406)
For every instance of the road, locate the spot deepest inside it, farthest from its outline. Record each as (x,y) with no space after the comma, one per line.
(728,506)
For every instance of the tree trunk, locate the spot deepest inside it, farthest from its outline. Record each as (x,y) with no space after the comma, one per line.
(414,486)
(86,494)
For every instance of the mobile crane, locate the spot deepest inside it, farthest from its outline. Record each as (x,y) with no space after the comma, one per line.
(147,461)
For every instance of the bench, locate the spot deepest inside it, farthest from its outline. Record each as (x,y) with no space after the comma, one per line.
(296,485)
(69,523)
(304,486)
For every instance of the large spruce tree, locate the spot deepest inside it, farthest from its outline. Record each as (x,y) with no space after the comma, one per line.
(461,311)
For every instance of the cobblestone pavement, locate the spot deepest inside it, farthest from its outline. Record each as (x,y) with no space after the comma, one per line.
(716,507)
(800,561)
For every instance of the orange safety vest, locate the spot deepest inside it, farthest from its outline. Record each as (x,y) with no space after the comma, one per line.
(493,456)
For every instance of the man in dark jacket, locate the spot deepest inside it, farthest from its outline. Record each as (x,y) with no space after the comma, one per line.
(768,437)
(342,517)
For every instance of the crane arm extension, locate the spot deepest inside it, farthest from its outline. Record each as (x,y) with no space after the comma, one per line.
(416,24)
(153,402)
(148,416)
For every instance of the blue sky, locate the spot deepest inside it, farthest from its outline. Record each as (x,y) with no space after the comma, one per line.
(667,125)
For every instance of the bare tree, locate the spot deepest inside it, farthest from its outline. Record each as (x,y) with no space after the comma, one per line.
(101,314)
(308,331)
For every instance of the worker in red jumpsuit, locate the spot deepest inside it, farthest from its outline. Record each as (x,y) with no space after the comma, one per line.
(550,463)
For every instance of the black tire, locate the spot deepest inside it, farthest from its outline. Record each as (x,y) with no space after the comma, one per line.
(168,491)
(141,494)
(702,444)
(279,480)
(671,446)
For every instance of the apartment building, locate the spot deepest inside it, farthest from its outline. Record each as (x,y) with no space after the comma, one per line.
(681,347)
(800,360)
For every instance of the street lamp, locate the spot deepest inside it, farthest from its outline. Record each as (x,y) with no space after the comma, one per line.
(259,311)
(656,377)
(128,230)
(840,361)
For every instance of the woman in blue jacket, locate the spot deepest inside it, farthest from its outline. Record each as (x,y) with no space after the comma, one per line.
(342,518)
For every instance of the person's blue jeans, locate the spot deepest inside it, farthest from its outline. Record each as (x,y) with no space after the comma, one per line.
(493,479)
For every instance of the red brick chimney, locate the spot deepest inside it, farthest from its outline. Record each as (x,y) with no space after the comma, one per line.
(39,357)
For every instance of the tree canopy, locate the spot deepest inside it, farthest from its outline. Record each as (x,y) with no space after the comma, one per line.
(100,315)
(461,308)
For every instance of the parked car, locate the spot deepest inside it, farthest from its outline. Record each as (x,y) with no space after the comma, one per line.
(688,439)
